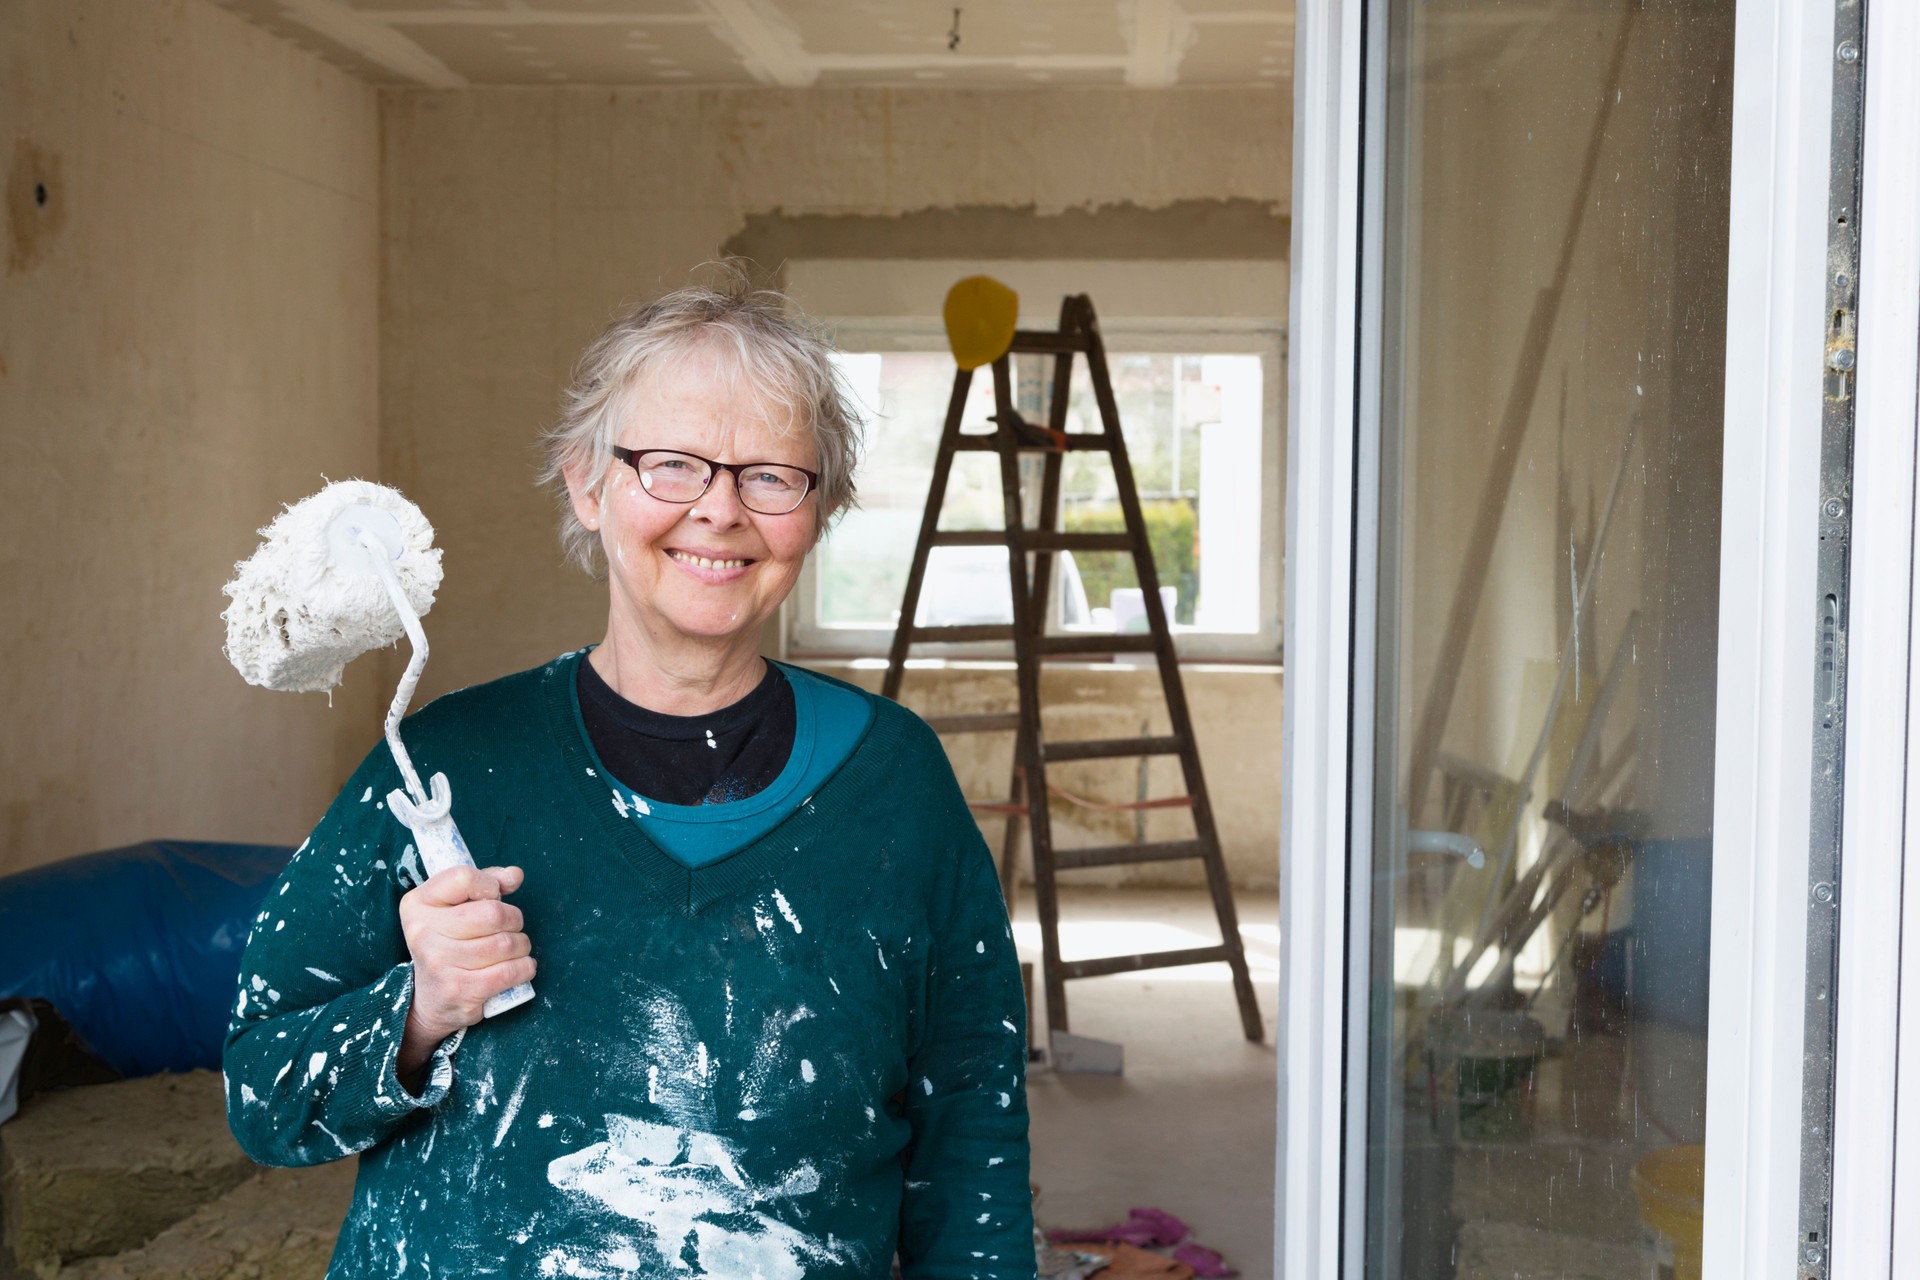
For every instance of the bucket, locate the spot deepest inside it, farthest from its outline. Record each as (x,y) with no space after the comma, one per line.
(1671,1187)
(1492,1054)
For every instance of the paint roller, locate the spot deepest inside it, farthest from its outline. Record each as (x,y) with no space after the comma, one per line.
(346,570)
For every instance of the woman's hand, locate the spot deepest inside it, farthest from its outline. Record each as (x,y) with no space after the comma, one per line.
(468,946)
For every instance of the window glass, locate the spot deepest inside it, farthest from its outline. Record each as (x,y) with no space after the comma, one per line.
(1194,426)
(1554,286)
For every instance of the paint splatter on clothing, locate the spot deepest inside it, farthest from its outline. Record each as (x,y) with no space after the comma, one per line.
(789,1062)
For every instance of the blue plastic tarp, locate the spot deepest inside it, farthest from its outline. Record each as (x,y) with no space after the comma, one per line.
(139,948)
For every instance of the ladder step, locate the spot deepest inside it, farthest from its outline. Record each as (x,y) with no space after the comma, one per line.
(1092,642)
(1104,965)
(1047,342)
(1032,540)
(1047,540)
(960,635)
(1076,442)
(968,538)
(1117,855)
(1108,748)
(984,723)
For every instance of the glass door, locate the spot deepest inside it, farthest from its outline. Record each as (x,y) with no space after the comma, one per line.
(1550,386)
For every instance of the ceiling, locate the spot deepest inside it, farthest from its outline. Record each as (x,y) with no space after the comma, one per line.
(455,44)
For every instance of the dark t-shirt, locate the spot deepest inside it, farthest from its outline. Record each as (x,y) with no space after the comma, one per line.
(724,755)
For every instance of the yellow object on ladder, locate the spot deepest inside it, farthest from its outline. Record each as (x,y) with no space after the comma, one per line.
(981,315)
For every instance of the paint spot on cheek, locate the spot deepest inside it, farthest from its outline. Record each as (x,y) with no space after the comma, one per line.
(806,1070)
(546,1120)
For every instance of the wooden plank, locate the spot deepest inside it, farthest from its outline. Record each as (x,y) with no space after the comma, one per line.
(1109,748)
(959,634)
(1121,855)
(1094,642)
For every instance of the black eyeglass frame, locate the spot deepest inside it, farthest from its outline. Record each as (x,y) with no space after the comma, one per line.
(632,458)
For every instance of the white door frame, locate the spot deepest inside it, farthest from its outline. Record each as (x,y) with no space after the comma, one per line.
(1876,1142)
(1777,245)
(1315,797)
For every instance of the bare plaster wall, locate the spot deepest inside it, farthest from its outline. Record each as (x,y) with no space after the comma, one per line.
(188,337)
(517,221)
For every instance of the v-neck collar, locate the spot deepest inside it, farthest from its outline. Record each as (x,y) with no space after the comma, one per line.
(697,888)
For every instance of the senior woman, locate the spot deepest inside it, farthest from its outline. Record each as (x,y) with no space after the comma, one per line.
(778,1023)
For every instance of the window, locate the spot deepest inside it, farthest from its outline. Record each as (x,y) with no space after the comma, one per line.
(1200,413)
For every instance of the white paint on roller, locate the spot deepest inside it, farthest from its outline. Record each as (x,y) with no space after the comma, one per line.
(297,616)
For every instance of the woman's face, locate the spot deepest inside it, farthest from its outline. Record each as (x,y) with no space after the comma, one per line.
(708,570)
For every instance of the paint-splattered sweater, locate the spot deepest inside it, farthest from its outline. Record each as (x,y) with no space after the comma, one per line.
(789,1062)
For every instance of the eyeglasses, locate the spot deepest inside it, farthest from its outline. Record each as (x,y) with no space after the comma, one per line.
(767,488)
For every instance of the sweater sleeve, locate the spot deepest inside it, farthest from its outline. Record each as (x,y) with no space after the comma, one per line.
(967,1212)
(312,1050)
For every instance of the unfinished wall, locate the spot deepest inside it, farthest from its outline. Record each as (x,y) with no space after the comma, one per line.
(188,339)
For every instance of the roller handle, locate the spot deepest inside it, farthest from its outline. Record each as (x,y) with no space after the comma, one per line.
(441,846)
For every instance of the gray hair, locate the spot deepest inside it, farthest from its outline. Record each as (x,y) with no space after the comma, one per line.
(757,336)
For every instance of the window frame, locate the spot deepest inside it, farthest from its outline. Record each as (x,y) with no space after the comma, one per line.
(807,639)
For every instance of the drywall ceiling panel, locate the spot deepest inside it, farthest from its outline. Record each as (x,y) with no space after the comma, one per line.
(832,29)
(273,16)
(1220,53)
(574,53)
(452,44)
(965,75)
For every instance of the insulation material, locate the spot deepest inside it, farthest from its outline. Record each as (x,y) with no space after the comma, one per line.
(277,1225)
(104,1168)
(298,616)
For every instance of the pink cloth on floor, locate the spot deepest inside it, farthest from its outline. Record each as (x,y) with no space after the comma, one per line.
(1206,1263)
(1144,1228)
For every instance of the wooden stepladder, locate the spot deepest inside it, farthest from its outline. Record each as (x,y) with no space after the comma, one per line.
(1078,334)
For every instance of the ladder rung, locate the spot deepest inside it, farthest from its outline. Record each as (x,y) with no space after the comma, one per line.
(1108,748)
(1040,342)
(1076,442)
(983,723)
(1093,642)
(1032,540)
(1104,965)
(1047,540)
(968,538)
(1117,855)
(960,635)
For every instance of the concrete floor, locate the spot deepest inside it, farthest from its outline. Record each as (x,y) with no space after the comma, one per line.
(1189,1126)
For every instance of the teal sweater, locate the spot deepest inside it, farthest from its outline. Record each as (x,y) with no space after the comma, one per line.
(789,1062)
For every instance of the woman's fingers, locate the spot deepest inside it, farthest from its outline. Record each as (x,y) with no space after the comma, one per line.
(467,944)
